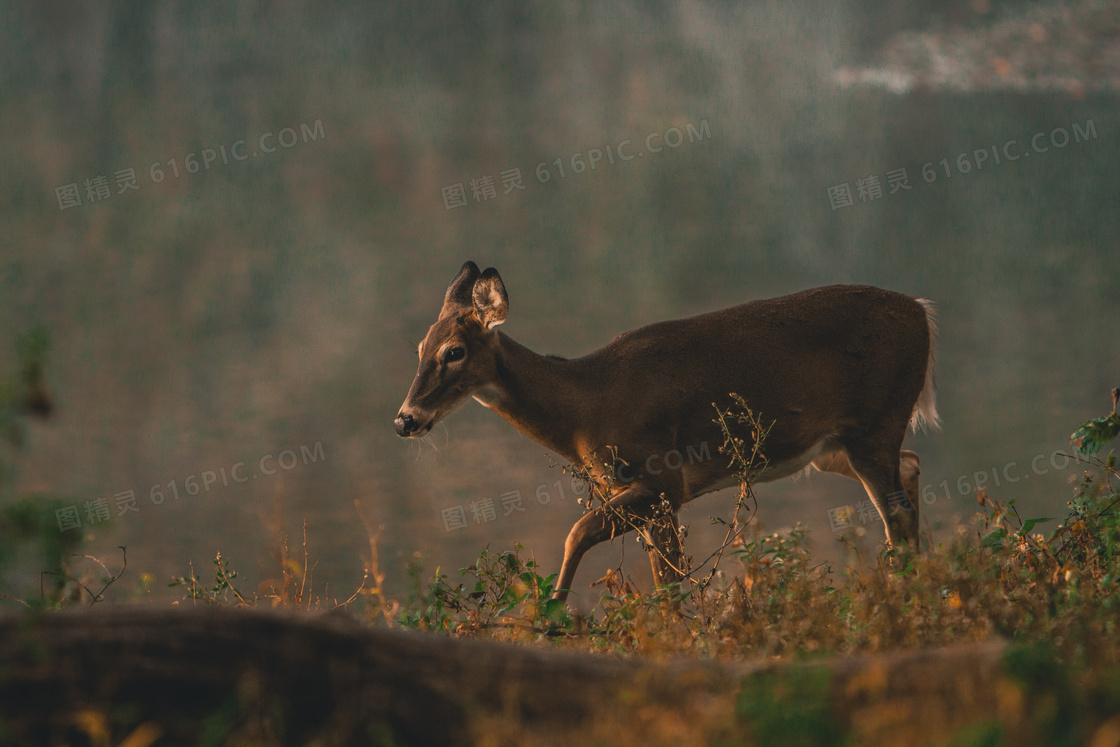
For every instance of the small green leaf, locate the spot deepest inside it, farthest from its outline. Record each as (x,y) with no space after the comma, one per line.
(1029,524)
(995,538)
(551,606)
(1092,436)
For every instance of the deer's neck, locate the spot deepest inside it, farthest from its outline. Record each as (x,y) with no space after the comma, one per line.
(544,398)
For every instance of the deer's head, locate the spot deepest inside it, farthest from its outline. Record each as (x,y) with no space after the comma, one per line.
(459,354)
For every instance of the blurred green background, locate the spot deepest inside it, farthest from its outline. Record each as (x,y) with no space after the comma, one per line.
(235,311)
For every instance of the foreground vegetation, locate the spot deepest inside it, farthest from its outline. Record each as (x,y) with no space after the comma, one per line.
(999,576)
(1053,598)
(763,596)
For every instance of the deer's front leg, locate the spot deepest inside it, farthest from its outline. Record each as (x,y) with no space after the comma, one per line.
(628,510)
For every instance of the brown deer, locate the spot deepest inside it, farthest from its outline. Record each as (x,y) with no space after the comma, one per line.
(840,371)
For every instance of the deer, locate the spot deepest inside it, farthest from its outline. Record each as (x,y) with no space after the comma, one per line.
(840,373)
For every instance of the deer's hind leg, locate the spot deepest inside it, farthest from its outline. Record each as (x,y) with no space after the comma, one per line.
(909,466)
(880,489)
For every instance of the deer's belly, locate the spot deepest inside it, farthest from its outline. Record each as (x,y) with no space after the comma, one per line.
(715,476)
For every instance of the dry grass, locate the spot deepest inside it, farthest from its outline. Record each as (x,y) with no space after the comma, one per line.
(765,597)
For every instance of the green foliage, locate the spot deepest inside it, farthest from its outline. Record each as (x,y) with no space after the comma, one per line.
(28,523)
(504,595)
(221,588)
(294,588)
(1093,434)
(983,734)
(1037,669)
(790,707)
(23,393)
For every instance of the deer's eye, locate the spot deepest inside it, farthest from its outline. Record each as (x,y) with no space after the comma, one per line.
(454,354)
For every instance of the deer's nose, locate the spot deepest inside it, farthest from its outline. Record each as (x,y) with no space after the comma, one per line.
(405,424)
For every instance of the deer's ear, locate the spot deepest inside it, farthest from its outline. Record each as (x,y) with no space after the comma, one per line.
(459,292)
(490,300)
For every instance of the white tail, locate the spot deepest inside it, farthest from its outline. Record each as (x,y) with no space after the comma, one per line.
(925,414)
